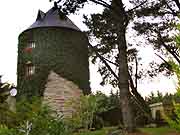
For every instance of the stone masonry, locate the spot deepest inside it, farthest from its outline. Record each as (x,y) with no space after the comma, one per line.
(59,91)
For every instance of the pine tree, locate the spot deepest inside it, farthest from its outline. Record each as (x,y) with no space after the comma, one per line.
(120,18)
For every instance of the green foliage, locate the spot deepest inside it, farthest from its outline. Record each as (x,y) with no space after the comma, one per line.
(175,123)
(85,110)
(67,57)
(103,28)
(159,97)
(152,98)
(7,116)
(34,118)
(5,113)
(156,33)
(108,102)
(44,121)
(91,109)
(4,130)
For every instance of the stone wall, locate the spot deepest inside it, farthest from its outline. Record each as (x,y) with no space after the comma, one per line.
(59,91)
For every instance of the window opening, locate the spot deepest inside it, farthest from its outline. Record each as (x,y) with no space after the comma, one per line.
(30,69)
(32,44)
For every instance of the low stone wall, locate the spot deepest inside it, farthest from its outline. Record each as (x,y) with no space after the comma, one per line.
(59,91)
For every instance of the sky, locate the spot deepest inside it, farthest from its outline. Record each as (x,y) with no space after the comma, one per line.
(17,16)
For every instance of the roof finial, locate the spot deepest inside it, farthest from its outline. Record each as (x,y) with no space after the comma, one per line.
(55,5)
(40,15)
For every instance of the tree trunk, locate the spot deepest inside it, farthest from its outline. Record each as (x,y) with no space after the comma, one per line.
(121,21)
(125,95)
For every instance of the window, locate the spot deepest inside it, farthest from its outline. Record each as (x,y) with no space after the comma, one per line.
(30,69)
(32,44)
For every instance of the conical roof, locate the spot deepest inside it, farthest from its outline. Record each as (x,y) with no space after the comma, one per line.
(52,18)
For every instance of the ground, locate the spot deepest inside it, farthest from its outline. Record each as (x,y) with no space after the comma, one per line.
(141,131)
(150,134)
(157,131)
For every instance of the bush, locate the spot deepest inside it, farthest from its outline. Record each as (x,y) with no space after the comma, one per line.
(33,118)
(85,110)
(4,130)
(112,117)
(175,123)
(88,109)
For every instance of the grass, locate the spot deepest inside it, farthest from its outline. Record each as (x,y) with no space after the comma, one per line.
(157,131)
(103,131)
(148,131)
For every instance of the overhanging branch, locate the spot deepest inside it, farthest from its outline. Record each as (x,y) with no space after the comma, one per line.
(101,2)
(167,48)
(177,3)
(163,60)
(136,6)
(172,11)
(104,61)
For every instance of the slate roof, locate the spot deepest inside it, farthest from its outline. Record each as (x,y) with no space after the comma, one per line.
(52,19)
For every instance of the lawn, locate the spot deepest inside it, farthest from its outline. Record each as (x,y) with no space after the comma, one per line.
(103,131)
(159,131)
(141,131)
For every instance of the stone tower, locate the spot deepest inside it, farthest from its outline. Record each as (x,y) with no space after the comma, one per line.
(53,59)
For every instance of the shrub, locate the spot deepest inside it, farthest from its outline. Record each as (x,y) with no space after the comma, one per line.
(4,130)
(175,123)
(86,111)
(33,118)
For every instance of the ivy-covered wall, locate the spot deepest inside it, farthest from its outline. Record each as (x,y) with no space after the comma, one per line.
(61,50)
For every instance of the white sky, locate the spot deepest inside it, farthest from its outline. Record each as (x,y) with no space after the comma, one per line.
(16,16)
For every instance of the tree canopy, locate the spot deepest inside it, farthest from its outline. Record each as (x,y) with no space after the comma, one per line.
(152,19)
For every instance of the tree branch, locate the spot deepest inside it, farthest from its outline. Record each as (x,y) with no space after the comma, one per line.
(163,60)
(167,48)
(111,62)
(102,3)
(172,11)
(136,72)
(104,61)
(136,6)
(133,88)
(137,96)
(139,99)
(177,3)
(130,78)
